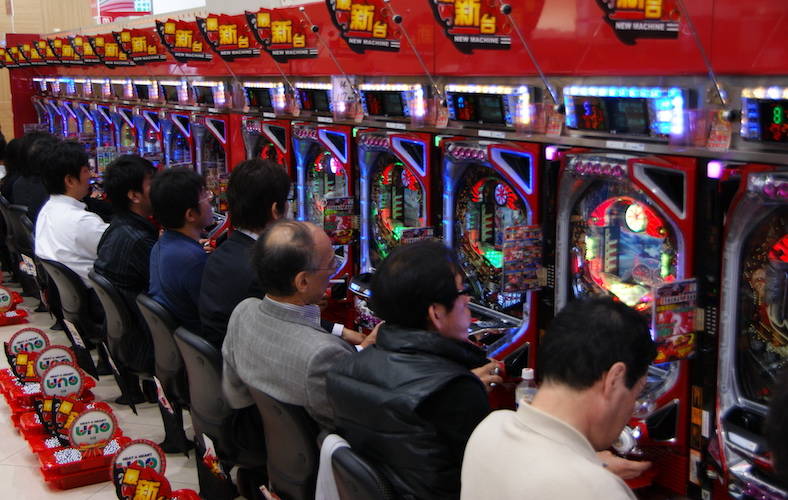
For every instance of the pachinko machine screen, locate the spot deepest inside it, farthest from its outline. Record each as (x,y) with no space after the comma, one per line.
(180,150)
(214,169)
(326,179)
(128,140)
(259,98)
(151,145)
(397,203)
(762,343)
(622,246)
(486,205)
(315,100)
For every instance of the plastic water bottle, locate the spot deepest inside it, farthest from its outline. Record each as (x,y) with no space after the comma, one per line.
(526,390)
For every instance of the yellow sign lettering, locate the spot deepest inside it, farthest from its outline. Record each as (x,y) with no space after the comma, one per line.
(361,17)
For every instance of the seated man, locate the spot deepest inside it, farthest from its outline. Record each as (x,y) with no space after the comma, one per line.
(65,231)
(411,401)
(182,205)
(276,344)
(29,188)
(593,361)
(257,195)
(124,252)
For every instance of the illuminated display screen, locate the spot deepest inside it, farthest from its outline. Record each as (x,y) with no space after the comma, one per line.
(480,108)
(203,95)
(326,178)
(762,346)
(617,115)
(214,169)
(384,103)
(170,93)
(485,206)
(98,89)
(315,100)
(78,89)
(119,90)
(142,92)
(773,118)
(259,98)
(397,203)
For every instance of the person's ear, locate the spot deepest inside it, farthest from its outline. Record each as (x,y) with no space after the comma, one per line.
(435,316)
(276,214)
(134,196)
(301,281)
(70,181)
(191,215)
(615,379)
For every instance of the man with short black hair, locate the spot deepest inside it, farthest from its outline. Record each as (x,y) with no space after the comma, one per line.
(182,205)
(124,249)
(593,361)
(257,195)
(65,231)
(276,345)
(28,189)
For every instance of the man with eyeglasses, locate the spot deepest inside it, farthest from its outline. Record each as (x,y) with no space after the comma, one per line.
(593,361)
(410,402)
(276,344)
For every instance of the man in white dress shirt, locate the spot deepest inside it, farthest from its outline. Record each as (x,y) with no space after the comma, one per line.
(65,231)
(593,360)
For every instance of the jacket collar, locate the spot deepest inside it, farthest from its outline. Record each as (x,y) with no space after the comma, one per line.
(556,431)
(135,220)
(406,340)
(303,315)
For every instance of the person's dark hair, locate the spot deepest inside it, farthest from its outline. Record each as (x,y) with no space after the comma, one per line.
(32,149)
(125,173)
(61,159)
(284,249)
(411,279)
(174,191)
(3,145)
(588,336)
(255,185)
(13,164)
(776,428)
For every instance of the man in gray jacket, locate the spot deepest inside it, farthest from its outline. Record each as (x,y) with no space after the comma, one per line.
(276,344)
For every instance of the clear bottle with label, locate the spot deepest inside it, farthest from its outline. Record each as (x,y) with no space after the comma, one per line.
(526,390)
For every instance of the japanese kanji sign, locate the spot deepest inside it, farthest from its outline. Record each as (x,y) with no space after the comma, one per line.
(365,25)
(109,51)
(84,50)
(182,40)
(282,34)
(633,19)
(229,36)
(473,24)
(141,45)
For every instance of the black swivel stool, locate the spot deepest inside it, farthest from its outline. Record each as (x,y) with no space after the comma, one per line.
(76,310)
(24,247)
(358,479)
(291,444)
(236,434)
(122,332)
(9,238)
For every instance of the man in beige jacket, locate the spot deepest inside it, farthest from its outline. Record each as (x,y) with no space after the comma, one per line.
(593,361)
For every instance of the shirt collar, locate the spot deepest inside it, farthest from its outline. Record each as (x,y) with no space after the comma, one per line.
(67,200)
(250,234)
(555,430)
(308,315)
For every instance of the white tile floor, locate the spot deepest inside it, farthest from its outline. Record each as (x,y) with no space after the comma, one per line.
(19,474)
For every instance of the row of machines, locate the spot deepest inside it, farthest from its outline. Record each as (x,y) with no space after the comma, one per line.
(543,204)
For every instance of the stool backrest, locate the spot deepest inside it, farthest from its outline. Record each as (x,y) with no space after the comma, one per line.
(356,478)
(117,315)
(291,444)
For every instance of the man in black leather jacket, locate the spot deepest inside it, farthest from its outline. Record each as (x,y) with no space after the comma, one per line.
(410,402)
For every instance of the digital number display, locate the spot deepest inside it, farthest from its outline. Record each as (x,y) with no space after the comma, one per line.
(259,98)
(612,114)
(203,95)
(384,103)
(479,108)
(315,100)
(170,93)
(773,119)
(142,92)
(119,90)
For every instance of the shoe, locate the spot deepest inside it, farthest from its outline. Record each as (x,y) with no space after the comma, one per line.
(136,398)
(172,447)
(58,326)
(41,308)
(149,390)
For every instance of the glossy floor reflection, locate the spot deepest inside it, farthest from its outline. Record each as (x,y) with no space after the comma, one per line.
(19,472)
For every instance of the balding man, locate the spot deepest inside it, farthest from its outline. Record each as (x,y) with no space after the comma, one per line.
(276,344)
